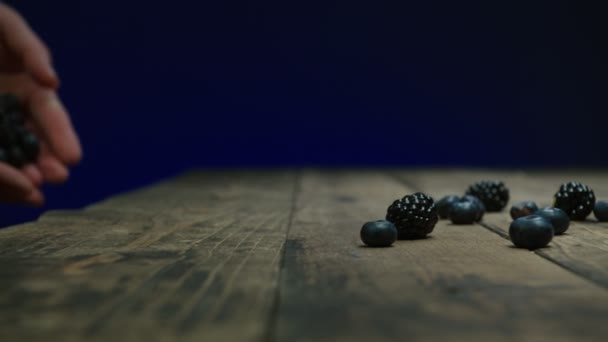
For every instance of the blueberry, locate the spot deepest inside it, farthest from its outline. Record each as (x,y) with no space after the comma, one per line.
(379,233)
(531,232)
(481,208)
(601,211)
(558,218)
(443,205)
(522,209)
(464,212)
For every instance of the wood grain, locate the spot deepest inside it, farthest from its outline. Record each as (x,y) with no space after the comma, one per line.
(584,247)
(195,258)
(464,283)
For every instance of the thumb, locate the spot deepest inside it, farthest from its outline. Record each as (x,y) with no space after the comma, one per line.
(25,44)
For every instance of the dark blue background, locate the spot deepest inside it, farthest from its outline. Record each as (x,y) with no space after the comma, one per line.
(155,87)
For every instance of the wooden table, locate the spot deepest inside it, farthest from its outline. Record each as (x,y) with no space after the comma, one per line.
(276,256)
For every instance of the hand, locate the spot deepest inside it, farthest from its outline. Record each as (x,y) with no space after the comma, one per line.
(27,72)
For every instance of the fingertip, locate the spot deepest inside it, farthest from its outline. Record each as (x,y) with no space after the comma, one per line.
(53,171)
(33,173)
(35,198)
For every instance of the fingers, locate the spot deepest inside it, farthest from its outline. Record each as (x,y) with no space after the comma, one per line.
(17,188)
(32,172)
(51,169)
(53,123)
(23,42)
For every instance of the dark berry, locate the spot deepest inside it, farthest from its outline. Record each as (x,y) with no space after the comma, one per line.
(16,156)
(558,218)
(531,232)
(464,212)
(522,209)
(481,208)
(378,233)
(493,194)
(414,216)
(601,211)
(9,103)
(30,145)
(443,205)
(576,199)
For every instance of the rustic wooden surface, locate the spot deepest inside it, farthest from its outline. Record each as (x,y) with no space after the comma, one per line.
(276,256)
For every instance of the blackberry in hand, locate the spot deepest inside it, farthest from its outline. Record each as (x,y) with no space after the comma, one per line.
(493,194)
(414,216)
(576,199)
(18,145)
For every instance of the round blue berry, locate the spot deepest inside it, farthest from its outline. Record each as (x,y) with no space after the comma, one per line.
(481,208)
(522,209)
(379,233)
(600,210)
(444,204)
(531,232)
(464,212)
(558,218)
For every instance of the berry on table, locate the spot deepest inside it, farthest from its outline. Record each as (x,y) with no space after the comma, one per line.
(481,208)
(531,232)
(378,233)
(464,211)
(493,194)
(600,211)
(414,216)
(443,205)
(576,199)
(522,209)
(558,218)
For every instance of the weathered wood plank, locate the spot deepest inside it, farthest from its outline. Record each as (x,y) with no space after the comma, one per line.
(584,247)
(196,258)
(464,283)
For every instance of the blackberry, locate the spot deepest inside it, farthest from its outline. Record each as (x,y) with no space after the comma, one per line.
(414,216)
(576,199)
(378,233)
(522,209)
(493,194)
(19,146)
(444,204)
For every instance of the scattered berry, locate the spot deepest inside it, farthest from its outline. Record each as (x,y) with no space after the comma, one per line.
(522,209)
(531,232)
(443,205)
(481,208)
(414,216)
(464,212)
(378,233)
(601,211)
(493,194)
(576,199)
(18,146)
(558,218)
